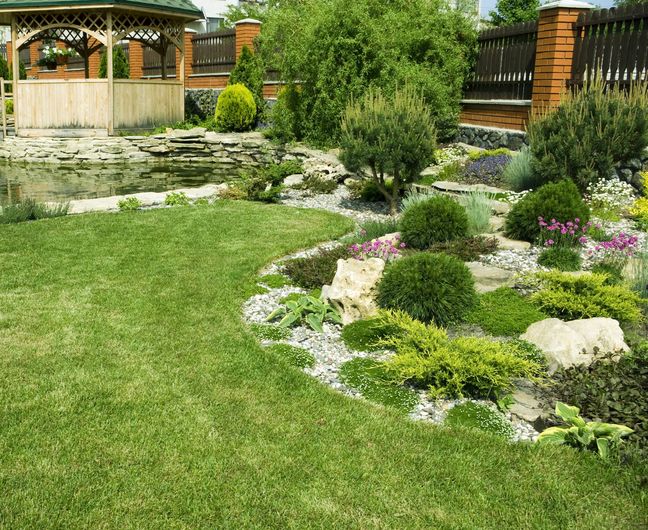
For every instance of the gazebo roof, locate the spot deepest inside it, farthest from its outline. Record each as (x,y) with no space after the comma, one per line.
(179,7)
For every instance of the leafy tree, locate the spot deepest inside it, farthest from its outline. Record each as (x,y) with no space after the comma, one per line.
(375,44)
(234,13)
(623,3)
(392,136)
(249,72)
(121,68)
(509,12)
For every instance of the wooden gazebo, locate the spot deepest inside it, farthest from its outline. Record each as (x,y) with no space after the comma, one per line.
(96,107)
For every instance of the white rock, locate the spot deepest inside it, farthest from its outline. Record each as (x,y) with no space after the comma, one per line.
(353,290)
(573,343)
(294,180)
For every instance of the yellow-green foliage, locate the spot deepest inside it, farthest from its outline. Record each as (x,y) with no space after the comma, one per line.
(586,296)
(476,155)
(639,209)
(235,109)
(9,106)
(453,368)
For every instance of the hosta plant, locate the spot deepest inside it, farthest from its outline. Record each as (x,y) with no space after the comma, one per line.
(307,309)
(592,435)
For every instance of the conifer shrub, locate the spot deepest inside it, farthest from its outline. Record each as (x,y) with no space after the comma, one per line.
(557,200)
(248,71)
(589,132)
(121,68)
(436,220)
(235,109)
(429,287)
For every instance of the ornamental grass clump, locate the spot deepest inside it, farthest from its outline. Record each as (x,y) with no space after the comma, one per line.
(478,209)
(464,367)
(430,287)
(436,220)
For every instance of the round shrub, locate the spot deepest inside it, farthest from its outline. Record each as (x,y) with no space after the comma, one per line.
(558,200)
(561,258)
(436,220)
(235,109)
(429,287)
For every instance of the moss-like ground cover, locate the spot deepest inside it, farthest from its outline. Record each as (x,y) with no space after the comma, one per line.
(134,396)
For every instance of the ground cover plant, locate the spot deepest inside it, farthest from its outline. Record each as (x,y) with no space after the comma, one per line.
(504,312)
(317,270)
(365,335)
(293,355)
(369,377)
(129,204)
(124,361)
(477,416)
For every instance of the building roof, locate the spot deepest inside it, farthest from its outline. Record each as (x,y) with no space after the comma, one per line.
(181,7)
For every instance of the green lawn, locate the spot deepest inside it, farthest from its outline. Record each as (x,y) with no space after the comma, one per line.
(133,396)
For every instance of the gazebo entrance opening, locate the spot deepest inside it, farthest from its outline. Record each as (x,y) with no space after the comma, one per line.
(94,107)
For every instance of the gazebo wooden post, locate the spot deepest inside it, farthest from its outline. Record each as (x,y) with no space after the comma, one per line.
(181,75)
(164,48)
(109,74)
(15,68)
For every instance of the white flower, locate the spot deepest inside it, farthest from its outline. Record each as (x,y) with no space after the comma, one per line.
(611,194)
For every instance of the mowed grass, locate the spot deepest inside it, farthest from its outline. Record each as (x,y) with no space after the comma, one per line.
(132,395)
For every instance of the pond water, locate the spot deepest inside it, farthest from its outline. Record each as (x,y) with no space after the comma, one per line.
(57,183)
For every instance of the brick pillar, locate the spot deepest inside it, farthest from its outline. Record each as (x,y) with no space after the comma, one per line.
(555,50)
(136,59)
(188,45)
(246,31)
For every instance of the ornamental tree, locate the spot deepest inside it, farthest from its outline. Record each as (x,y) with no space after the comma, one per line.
(391,136)
(509,12)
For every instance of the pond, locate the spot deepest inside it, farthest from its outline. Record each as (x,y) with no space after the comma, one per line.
(58,183)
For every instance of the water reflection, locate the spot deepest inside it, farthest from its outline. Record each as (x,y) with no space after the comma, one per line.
(58,183)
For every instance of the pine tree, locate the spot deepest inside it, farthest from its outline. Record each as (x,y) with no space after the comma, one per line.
(121,68)
(249,72)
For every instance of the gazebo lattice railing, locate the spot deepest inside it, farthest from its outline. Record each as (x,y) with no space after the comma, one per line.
(97,106)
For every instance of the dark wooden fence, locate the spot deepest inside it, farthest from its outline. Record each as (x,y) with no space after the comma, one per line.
(152,62)
(613,44)
(214,53)
(505,62)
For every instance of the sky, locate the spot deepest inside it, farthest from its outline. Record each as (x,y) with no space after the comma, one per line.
(488,5)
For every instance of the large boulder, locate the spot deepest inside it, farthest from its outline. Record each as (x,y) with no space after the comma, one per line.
(325,166)
(576,342)
(353,290)
(488,278)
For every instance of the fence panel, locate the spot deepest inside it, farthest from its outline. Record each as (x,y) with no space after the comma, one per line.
(214,53)
(152,62)
(504,67)
(612,43)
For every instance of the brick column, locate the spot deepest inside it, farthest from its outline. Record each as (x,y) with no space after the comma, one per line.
(555,50)
(246,31)
(136,59)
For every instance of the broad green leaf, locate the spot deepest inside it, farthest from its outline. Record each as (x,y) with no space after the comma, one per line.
(288,320)
(276,313)
(553,435)
(603,445)
(315,323)
(567,412)
(609,429)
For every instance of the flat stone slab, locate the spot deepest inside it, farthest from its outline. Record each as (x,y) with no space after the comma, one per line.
(504,243)
(457,187)
(106,204)
(488,278)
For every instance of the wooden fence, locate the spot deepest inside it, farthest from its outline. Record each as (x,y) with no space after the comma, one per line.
(214,53)
(152,62)
(505,62)
(612,43)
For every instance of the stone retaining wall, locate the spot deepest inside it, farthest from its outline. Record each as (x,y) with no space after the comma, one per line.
(491,137)
(224,151)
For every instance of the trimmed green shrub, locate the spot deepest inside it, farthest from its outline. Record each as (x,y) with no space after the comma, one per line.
(370,379)
(393,136)
(591,130)
(364,335)
(482,417)
(235,109)
(560,200)
(294,356)
(436,220)
(30,210)
(519,175)
(317,270)
(464,367)
(469,249)
(430,287)
(611,390)
(249,72)
(504,312)
(278,172)
(121,68)
(269,332)
(572,297)
(478,209)
(340,49)
(561,258)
